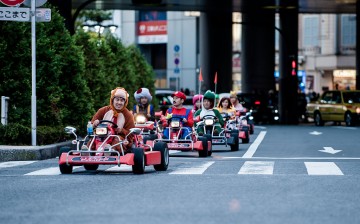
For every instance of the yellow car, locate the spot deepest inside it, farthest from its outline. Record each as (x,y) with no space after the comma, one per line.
(336,105)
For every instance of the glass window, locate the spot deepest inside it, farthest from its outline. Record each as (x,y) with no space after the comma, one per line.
(348,30)
(311,31)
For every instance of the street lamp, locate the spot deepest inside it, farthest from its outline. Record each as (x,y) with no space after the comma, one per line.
(99,28)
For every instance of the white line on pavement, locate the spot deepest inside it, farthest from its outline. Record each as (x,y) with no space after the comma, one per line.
(322,168)
(48,171)
(15,163)
(257,167)
(253,147)
(294,158)
(122,167)
(193,170)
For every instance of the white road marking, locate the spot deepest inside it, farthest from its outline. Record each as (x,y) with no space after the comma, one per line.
(253,147)
(315,133)
(330,150)
(173,151)
(322,168)
(121,168)
(347,128)
(48,171)
(257,167)
(200,169)
(15,163)
(294,158)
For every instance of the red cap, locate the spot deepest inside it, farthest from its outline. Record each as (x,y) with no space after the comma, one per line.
(179,94)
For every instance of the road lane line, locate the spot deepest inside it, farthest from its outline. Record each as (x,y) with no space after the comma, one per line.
(173,151)
(200,169)
(48,171)
(15,163)
(253,147)
(322,168)
(257,167)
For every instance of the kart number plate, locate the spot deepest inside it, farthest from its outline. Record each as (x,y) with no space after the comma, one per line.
(178,145)
(93,159)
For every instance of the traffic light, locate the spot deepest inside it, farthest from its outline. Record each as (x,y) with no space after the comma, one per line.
(293,67)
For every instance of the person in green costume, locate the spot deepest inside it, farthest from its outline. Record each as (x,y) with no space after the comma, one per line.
(208,104)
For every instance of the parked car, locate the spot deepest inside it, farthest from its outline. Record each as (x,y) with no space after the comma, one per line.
(337,106)
(260,108)
(164,98)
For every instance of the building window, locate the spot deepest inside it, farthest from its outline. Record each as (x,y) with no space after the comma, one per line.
(311,31)
(348,30)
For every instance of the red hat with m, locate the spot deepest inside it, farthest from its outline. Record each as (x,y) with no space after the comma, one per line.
(179,95)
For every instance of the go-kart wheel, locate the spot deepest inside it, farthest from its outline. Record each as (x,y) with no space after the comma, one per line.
(204,152)
(209,138)
(64,168)
(246,139)
(235,135)
(164,151)
(91,167)
(139,161)
(251,129)
(149,137)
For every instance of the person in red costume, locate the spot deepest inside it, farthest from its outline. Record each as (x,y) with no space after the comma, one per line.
(119,114)
(177,110)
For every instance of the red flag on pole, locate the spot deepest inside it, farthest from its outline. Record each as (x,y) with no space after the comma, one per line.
(200,76)
(215,80)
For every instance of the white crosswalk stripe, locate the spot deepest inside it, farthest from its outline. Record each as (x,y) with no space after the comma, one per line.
(47,171)
(14,163)
(199,169)
(122,168)
(322,168)
(257,167)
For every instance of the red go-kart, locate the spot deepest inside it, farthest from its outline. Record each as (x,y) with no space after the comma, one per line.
(141,155)
(176,140)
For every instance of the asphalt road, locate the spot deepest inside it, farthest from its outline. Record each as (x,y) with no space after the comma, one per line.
(286,174)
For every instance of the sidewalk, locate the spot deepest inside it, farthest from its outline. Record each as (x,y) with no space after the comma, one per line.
(21,153)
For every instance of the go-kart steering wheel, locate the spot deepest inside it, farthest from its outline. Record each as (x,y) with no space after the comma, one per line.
(211,116)
(107,121)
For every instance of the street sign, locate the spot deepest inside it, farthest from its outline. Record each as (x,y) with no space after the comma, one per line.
(38,3)
(23,14)
(43,15)
(14,14)
(12,2)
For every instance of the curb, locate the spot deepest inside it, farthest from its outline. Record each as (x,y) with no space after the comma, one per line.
(22,153)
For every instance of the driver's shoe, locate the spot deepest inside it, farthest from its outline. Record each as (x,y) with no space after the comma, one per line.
(85,148)
(107,148)
(216,132)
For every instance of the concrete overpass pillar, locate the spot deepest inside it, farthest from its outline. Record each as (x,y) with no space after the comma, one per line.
(65,7)
(257,48)
(216,47)
(288,82)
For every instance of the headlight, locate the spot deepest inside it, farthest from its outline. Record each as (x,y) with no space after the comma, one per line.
(140,119)
(101,131)
(209,122)
(175,124)
(358,110)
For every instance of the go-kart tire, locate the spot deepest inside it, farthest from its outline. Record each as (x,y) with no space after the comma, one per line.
(246,139)
(91,167)
(64,168)
(149,137)
(204,152)
(164,151)
(139,161)
(235,135)
(209,138)
(251,129)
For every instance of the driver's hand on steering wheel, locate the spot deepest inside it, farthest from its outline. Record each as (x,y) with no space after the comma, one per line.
(96,122)
(118,130)
(184,120)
